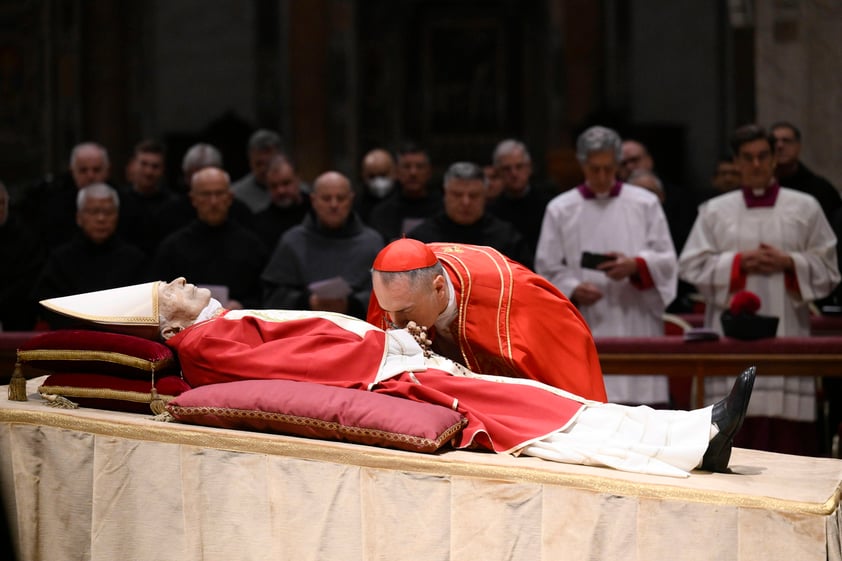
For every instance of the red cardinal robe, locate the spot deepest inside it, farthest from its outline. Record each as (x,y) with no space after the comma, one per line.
(513,322)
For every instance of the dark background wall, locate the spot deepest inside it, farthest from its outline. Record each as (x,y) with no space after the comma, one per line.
(337,77)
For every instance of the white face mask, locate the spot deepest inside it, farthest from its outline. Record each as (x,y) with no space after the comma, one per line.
(380,186)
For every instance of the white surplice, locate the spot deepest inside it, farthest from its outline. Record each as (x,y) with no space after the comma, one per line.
(632,223)
(795,224)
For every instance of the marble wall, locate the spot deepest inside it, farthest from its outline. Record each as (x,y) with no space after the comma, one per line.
(799,76)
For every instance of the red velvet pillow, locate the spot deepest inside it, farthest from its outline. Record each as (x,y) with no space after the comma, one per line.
(318,411)
(112,392)
(79,350)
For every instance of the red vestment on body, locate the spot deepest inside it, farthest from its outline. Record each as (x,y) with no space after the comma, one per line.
(513,322)
(350,353)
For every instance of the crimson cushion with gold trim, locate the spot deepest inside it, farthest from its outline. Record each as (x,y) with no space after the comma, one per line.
(79,350)
(113,392)
(318,411)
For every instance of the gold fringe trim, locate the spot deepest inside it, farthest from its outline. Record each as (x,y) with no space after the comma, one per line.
(164,417)
(194,415)
(59,401)
(156,404)
(104,356)
(153,398)
(17,384)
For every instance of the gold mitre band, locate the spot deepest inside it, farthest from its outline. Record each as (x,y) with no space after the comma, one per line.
(128,309)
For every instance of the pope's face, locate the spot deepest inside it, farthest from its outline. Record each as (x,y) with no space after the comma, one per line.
(179,301)
(404,302)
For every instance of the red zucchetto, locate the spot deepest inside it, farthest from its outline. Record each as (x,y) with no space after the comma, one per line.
(744,303)
(404,255)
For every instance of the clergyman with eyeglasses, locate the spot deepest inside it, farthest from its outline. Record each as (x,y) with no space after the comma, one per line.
(214,249)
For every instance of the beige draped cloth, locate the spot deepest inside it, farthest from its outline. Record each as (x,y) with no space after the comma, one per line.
(98,485)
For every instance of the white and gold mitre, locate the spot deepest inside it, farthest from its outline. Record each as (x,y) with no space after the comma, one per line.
(128,309)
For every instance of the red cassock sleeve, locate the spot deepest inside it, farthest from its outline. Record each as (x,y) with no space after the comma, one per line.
(223,350)
(513,322)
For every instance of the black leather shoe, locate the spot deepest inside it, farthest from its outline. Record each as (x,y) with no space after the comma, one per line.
(728,415)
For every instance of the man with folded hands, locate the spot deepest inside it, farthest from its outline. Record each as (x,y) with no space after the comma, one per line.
(215,345)
(775,242)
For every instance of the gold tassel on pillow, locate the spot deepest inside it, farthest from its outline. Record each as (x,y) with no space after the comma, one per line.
(17,385)
(157,404)
(165,417)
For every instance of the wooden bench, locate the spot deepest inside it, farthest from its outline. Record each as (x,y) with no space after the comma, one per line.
(671,355)
(819,325)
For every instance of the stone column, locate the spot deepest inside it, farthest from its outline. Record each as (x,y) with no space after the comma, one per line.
(799,76)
